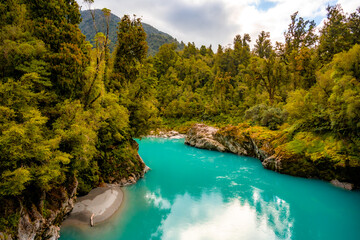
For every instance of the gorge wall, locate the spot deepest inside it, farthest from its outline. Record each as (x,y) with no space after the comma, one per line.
(41,215)
(265,145)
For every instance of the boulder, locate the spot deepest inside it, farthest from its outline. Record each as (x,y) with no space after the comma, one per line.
(344,185)
(32,225)
(240,141)
(202,136)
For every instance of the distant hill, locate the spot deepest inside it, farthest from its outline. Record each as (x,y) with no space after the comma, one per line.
(155,38)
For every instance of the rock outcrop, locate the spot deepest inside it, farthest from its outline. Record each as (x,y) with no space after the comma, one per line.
(245,141)
(172,134)
(202,136)
(344,185)
(246,146)
(33,224)
(134,177)
(206,137)
(37,222)
(124,172)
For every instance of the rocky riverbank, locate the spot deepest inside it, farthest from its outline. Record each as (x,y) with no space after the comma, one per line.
(34,225)
(264,145)
(172,134)
(41,217)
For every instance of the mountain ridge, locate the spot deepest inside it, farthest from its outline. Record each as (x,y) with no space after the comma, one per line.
(155,38)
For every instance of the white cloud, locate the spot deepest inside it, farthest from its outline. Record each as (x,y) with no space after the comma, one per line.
(349,6)
(210,217)
(157,200)
(218,21)
(275,20)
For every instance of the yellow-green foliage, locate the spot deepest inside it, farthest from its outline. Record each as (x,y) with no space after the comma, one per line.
(9,223)
(306,142)
(61,119)
(319,147)
(180,125)
(294,144)
(13,182)
(68,112)
(238,133)
(243,131)
(77,129)
(262,133)
(120,163)
(298,105)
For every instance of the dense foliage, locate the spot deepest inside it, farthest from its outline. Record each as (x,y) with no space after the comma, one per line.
(307,88)
(291,82)
(69,109)
(68,114)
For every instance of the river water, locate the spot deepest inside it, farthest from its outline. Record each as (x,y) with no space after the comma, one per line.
(193,194)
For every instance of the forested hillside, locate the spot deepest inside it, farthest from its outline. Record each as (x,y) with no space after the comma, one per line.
(264,84)
(70,109)
(154,37)
(67,123)
(305,91)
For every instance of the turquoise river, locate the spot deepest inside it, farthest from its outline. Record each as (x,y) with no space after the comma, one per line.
(198,194)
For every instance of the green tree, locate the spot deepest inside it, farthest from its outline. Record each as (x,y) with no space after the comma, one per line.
(130,51)
(335,35)
(203,50)
(242,50)
(297,52)
(300,34)
(165,58)
(56,24)
(354,26)
(222,90)
(269,73)
(263,47)
(107,15)
(190,51)
(345,97)
(132,78)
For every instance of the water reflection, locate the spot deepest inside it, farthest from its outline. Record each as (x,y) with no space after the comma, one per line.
(197,194)
(210,216)
(157,200)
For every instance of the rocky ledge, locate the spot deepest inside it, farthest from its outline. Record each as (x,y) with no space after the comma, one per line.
(202,136)
(206,137)
(134,177)
(172,134)
(247,142)
(34,223)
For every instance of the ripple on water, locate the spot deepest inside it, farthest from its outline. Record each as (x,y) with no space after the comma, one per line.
(198,194)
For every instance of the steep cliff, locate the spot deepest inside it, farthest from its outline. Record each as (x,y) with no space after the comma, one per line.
(39,222)
(228,140)
(40,216)
(268,147)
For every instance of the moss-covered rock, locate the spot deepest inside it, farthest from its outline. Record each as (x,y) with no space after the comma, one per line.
(122,164)
(300,154)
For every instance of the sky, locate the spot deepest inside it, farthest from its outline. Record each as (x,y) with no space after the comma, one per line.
(213,22)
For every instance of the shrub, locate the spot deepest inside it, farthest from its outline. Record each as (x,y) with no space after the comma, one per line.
(271,117)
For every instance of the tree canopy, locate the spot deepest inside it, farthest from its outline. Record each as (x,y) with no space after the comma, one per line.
(70,110)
